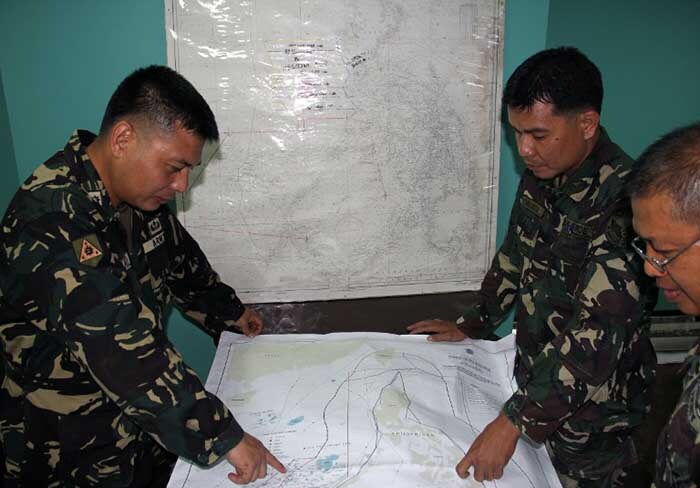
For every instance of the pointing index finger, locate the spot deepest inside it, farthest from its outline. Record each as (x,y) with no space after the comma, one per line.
(275,463)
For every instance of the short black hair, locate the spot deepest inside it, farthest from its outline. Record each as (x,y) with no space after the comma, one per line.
(164,98)
(671,166)
(561,76)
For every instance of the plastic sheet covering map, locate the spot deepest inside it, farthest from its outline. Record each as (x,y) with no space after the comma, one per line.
(366,409)
(359,143)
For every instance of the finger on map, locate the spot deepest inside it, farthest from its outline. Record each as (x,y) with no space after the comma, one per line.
(275,463)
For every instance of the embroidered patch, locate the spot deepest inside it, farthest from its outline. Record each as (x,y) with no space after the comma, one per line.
(154,227)
(88,250)
(617,232)
(574,228)
(532,206)
(149,246)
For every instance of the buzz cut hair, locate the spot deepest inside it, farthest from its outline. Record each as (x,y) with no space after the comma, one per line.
(671,166)
(562,76)
(164,99)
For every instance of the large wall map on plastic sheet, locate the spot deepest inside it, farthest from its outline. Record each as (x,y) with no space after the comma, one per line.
(359,143)
(366,409)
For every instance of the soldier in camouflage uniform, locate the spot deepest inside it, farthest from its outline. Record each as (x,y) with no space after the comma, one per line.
(94,394)
(665,193)
(584,362)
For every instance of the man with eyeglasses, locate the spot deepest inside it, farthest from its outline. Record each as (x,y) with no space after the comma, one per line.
(584,361)
(665,195)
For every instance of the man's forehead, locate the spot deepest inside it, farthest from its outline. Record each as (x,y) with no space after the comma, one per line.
(537,107)
(653,202)
(653,219)
(537,116)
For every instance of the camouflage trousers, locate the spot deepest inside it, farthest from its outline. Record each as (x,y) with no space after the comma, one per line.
(620,478)
(600,460)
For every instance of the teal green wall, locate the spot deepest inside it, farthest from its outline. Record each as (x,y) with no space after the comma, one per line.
(649,59)
(65,58)
(526,33)
(8,167)
(648,53)
(60,62)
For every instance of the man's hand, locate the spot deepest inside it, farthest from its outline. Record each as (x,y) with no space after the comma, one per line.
(250,323)
(250,458)
(442,330)
(491,451)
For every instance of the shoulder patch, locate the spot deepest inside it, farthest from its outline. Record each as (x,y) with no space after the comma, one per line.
(618,231)
(88,250)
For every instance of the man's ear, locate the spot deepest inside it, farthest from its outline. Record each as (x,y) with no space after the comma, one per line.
(589,120)
(120,137)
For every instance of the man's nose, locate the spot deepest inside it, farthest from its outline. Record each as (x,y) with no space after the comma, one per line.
(652,270)
(181,180)
(525,147)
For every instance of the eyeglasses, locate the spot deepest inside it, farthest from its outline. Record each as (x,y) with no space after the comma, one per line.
(660,265)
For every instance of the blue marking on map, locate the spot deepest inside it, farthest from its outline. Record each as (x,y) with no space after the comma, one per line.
(325,464)
(296,420)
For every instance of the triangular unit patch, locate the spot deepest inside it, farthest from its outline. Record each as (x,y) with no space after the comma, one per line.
(88,250)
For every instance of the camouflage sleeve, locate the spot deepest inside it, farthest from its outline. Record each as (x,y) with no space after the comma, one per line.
(117,339)
(197,288)
(499,287)
(575,366)
(678,447)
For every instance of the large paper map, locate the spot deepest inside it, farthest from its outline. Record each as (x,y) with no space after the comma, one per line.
(359,143)
(366,410)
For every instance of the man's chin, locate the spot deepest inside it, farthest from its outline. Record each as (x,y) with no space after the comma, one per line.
(543,173)
(688,306)
(151,204)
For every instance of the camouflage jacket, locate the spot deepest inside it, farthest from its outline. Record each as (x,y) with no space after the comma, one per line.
(584,361)
(91,379)
(678,447)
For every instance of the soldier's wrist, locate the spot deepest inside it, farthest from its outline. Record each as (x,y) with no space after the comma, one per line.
(468,329)
(474,321)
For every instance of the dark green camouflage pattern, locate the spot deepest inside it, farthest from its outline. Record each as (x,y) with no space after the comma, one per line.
(619,478)
(92,386)
(584,361)
(678,447)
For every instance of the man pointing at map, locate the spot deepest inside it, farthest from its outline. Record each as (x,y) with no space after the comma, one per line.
(584,362)
(94,393)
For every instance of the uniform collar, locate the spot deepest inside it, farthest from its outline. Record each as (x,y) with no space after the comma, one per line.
(87,175)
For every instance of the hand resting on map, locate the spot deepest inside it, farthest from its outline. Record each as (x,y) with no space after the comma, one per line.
(441,330)
(250,322)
